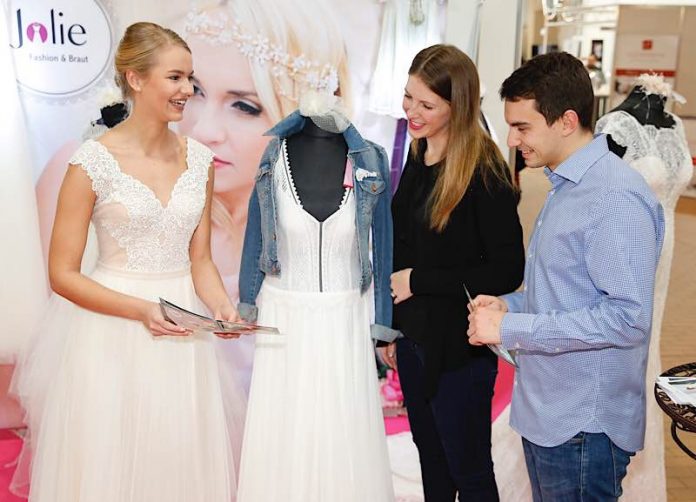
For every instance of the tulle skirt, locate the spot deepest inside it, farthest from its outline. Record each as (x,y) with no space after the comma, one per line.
(314,430)
(117,415)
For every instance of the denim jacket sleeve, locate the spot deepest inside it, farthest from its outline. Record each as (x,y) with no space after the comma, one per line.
(382,257)
(250,273)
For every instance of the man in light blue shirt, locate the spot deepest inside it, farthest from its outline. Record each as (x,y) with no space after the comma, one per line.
(581,324)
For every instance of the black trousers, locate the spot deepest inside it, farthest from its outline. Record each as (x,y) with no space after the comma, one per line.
(452,430)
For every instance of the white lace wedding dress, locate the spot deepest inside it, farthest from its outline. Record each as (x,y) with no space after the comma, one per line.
(662,156)
(314,430)
(114,413)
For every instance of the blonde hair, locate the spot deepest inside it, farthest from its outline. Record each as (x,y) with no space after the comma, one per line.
(451,74)
(136,51)
(305,27)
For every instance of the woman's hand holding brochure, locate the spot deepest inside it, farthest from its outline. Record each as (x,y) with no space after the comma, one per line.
(197,322)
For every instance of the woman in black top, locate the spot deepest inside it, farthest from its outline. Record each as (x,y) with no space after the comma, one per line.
(455,224)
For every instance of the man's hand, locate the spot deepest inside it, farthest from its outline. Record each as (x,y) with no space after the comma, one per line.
(490,302)
(484,325)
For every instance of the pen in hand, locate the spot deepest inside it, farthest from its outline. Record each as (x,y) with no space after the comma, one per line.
(472,305)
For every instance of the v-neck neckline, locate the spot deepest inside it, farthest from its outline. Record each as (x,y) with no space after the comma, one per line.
(296,196)
(140,183)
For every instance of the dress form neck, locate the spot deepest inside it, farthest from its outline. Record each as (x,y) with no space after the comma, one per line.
(648,109)
(314,131)
(318,162)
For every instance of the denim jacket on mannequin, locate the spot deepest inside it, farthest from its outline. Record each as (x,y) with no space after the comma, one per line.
(373,221)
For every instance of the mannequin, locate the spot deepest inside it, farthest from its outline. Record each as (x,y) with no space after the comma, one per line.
(648,109)
(319,184)
(317,256)
(652,141)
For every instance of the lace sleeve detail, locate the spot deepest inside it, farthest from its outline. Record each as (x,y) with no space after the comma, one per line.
(198,159)
(680,132)
(660,154)
(97,163)
(199,155)
(626,131)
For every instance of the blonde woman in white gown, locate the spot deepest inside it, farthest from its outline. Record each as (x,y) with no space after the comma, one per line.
(123,406)
(656,147)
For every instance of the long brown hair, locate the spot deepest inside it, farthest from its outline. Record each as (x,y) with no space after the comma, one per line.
(450,74)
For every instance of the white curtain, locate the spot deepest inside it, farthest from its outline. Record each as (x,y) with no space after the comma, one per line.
(401,39)
(23,287)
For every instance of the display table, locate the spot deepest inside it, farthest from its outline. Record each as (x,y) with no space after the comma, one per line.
(683,417)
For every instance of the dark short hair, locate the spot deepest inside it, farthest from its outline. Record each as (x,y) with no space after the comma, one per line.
(556,82)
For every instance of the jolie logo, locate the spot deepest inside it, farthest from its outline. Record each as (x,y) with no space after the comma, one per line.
(59,48)
(75,34)
(35,28)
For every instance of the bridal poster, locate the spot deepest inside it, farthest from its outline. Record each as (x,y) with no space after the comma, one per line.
(62,55)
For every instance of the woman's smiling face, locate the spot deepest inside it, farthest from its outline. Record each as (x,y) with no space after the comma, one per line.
(226,114)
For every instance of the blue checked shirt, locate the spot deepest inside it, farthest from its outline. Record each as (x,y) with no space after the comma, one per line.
(582,323)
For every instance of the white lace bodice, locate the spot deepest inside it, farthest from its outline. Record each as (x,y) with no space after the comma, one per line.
(661,155)
(314,256)
(135,231)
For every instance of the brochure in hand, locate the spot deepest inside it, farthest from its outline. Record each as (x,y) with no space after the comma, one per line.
(498,350)
(197,322)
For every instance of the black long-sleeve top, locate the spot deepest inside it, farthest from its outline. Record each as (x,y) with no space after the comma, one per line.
(481,246)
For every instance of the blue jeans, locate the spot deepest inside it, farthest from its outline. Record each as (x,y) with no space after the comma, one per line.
(587,468)
(452,431)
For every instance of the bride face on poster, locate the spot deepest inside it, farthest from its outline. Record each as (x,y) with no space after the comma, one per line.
(237,98)
(226,114)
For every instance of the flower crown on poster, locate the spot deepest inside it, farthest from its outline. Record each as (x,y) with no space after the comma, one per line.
(654,83)
(219,28)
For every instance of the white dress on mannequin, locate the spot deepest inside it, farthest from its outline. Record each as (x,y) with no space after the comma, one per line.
(662,156)
(116,414)
(314,430)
